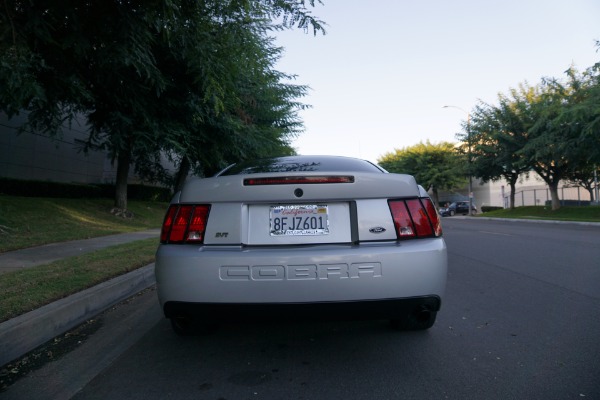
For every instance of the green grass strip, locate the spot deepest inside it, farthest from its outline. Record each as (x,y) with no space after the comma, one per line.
(578,214)
(34,221)
(30,288)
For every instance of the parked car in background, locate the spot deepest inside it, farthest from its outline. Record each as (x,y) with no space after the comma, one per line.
(458,207)
(301,237)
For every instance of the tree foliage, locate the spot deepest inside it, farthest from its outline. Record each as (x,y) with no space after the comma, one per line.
(497,134)
(190,79)
(434,166)
(580,117)
(552,128)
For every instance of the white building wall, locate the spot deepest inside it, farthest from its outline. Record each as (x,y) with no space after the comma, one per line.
(530,190)
(35,156)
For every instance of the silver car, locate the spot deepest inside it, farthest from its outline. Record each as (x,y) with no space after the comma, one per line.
(301,237)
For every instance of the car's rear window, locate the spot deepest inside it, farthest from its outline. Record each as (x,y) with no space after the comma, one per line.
(302,164)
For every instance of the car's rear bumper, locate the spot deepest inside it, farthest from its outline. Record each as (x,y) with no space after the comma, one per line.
(345,310)
(301,274)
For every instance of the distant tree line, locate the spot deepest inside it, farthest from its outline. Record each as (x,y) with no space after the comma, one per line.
(192,80)
(552,128)
(435,166)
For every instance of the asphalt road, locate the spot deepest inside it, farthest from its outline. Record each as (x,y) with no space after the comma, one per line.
(521,320)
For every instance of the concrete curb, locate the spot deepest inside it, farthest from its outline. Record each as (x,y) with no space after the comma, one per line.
(28,331)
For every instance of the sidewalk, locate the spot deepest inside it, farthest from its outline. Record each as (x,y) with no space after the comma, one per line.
(33,256)
(28,331)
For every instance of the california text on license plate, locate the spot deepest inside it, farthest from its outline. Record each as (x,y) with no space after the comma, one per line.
(299,220)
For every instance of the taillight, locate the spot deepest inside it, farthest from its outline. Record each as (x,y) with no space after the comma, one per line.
(197,224)
(167,223)
(185,224)
(402,221)
(415,218)
(434,217)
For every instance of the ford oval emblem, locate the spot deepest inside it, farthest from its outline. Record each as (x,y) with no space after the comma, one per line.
(377,229)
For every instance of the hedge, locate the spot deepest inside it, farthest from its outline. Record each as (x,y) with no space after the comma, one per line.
(485,209)
(32,188)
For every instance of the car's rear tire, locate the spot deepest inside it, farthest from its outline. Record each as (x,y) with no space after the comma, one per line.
(417,321)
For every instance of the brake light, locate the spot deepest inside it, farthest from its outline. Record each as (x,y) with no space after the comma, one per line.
(167,223)
(185,224)
(197,225)
(415,218)
(402,221)
(295,180)
(434,217)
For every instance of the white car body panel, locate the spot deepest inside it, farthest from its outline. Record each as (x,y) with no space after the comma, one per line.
(231,188)
(238,219)
(300,274)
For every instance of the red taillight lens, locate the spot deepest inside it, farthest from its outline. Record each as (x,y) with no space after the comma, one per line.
(167,223)
(185,224)
(419,217)
(296,180)
(415,218)
(197,225)
(434,217)
(180,223)
(402,221)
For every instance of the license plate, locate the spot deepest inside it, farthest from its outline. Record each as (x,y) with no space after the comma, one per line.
(299,220)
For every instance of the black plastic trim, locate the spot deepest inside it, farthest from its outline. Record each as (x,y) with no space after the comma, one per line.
(343,310)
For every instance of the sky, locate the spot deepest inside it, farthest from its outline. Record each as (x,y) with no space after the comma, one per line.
(380,77)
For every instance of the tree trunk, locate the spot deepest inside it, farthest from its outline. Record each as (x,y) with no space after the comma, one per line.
(554,195)
(435,197)
(513,184)
(182,174)
(123,161)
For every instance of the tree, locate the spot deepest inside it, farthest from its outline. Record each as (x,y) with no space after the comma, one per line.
(120,63)
(259,121)
(581,115)
(552,128)
(587,178)
(69,59)
(557,140)
(498,133)
(434,166)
